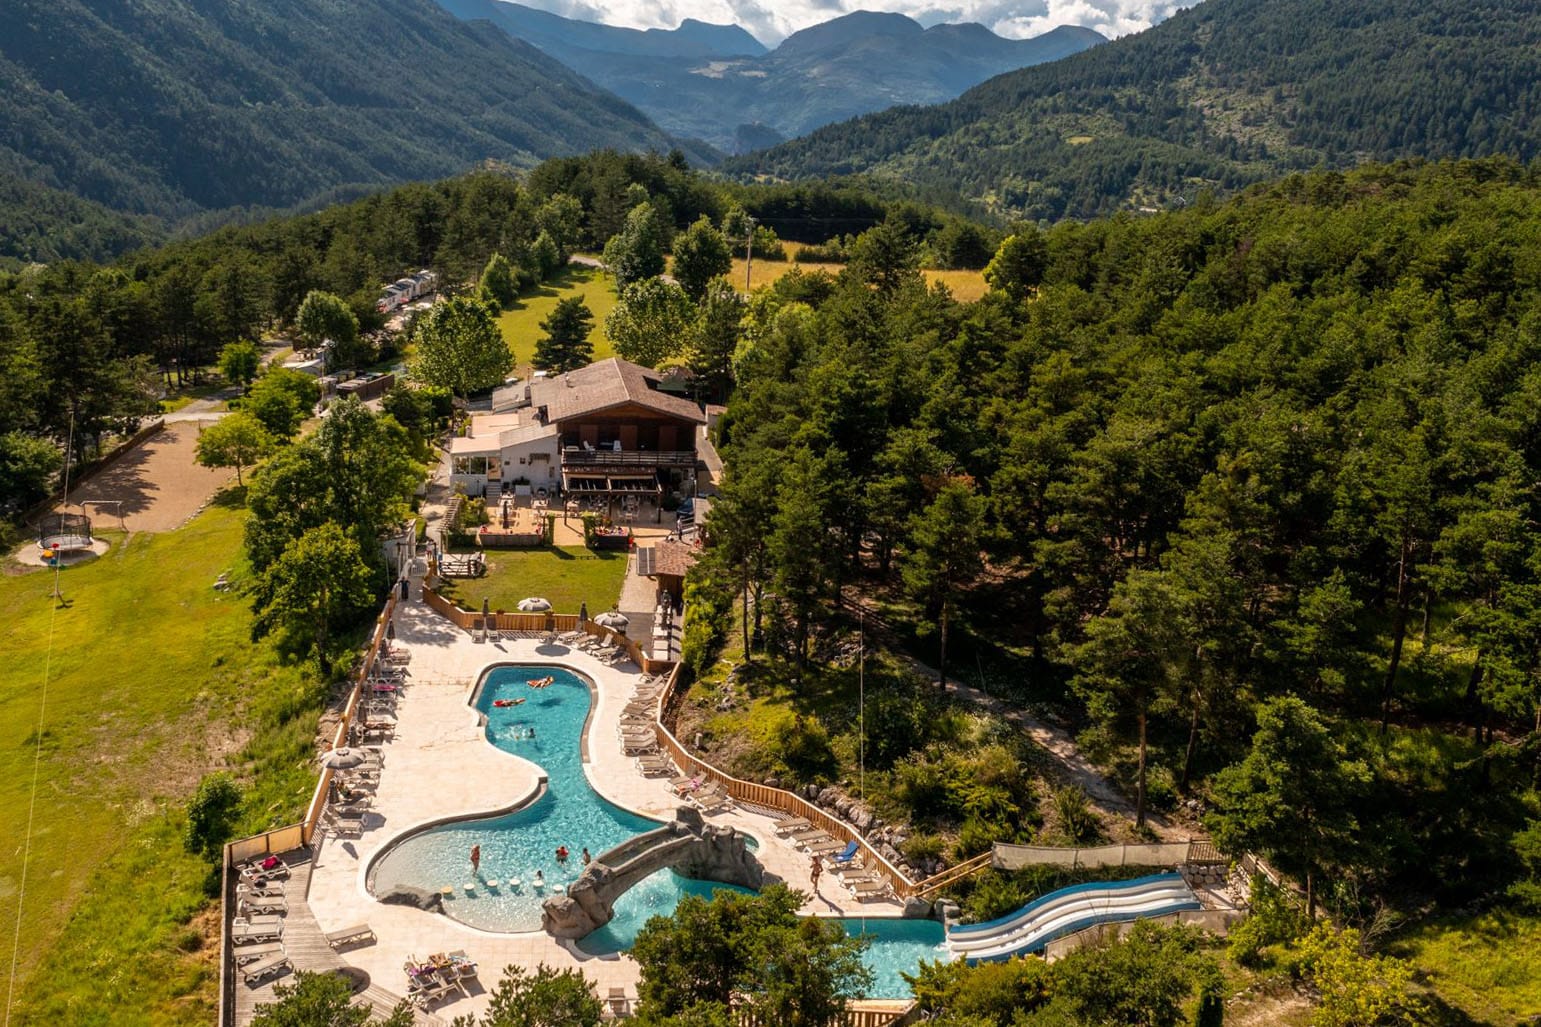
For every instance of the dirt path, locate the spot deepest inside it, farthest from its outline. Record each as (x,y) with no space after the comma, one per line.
(1057,742)
(156,486)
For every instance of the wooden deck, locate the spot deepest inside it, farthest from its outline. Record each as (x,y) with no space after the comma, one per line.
(308,950)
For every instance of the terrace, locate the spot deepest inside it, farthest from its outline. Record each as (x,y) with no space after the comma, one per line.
(437,765)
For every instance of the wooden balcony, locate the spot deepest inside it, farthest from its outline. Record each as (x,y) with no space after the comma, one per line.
(643,459)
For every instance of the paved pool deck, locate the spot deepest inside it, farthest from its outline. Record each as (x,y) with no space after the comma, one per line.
(439,765)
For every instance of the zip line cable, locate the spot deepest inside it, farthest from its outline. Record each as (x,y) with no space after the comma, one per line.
(37,755)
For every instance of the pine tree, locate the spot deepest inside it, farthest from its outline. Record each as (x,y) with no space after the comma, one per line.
(566,345)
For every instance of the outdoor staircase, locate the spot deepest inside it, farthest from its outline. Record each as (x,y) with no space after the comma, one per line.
(494,493)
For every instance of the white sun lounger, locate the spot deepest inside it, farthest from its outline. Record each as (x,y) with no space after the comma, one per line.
(348,935)
(264,968)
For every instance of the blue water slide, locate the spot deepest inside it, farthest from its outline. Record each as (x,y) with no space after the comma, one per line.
(1069,910)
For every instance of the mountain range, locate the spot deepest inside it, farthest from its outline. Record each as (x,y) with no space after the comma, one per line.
(174,110)
(718,84)
(1225,93)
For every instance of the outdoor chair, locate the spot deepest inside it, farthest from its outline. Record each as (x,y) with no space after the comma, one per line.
(350,935)
(618,1003)
(262,903)
(812,834)
(264,931)
(822,848)
(251,953)
(791,825)
(262,969)
(848,853)
(864,890)
(266,888)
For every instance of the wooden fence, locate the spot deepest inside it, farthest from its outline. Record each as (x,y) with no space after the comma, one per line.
(857,1014)
(774,798)
(472,620)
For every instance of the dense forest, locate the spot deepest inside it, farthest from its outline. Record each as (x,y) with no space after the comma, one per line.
(1246,490)
(96,345)
(1226,93)
(266,106)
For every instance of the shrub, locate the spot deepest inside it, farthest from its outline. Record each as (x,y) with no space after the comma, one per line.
(921,785)
(920,848)
(211,815)
(805,749)
(1274,920)
(1073,812)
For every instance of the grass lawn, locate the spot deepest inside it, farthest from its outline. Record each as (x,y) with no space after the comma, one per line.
(966,286)
(566,575)
(1488,966)
(521,324)
(152,681)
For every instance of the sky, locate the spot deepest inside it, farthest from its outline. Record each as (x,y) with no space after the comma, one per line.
(772,20)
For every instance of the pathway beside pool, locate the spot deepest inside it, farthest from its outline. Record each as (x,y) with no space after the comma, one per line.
(439,765)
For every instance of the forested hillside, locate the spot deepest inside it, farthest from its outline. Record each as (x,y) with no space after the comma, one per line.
(174,109)
(1262,467)
(1226,93)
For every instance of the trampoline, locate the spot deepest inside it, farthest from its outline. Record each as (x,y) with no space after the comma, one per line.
(64,533)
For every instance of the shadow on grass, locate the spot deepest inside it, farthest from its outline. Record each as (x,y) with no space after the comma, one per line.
(231,497)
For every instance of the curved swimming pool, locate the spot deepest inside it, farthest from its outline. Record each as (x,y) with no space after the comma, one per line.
(547,729)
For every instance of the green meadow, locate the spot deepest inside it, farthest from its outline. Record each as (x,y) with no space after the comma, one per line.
(142,680)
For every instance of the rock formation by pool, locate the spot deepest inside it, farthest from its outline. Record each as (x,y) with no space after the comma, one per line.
(688,845)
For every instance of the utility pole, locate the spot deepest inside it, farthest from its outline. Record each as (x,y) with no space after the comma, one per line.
(749,223)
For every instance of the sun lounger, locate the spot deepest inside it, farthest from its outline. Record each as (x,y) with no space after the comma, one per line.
(822,848)
(264,968)
(633,746)
(262,950)
(266,888)
(791,825)
(709,799)
(270,866)
(262,903)
(864,890)
(350,935)
(813,834)
(256,931)
(619,1004)
(848,853)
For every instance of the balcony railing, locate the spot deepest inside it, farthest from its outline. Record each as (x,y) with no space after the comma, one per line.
(628,458)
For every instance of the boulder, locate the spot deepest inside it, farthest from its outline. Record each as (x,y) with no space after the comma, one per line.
(947,910)
(812,793)
(418,898)
(916,908)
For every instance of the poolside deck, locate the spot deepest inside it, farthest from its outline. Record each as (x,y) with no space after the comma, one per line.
(439,766)
(306,946)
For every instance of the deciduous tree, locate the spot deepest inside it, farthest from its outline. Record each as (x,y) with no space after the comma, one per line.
(239,362)
(651,323)
(236,440)
(700,254)
(460,348)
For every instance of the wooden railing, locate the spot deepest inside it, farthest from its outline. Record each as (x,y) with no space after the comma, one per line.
(952,875)
(774,798)
(471,620)
(628,458)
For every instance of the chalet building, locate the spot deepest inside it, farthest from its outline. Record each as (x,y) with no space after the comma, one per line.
(604,430)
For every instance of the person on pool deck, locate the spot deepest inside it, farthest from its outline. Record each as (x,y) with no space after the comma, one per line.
(587,859)
(814,871)
(476,858)
(562,854)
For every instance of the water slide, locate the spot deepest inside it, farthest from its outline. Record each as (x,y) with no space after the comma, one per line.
(1070,910)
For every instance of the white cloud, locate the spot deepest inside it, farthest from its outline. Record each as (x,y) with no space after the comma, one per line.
(773,20)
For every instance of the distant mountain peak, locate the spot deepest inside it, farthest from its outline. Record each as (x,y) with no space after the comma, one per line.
(848,29)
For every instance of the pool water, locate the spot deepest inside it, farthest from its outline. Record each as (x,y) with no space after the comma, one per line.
(547,729)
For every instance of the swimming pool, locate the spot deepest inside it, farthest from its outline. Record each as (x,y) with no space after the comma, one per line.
(547,729)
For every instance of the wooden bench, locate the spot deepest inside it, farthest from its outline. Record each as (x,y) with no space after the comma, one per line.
(349,935)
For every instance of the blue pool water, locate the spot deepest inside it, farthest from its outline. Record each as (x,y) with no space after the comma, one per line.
(571,813)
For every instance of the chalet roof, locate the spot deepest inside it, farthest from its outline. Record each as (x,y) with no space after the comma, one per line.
(495,437)
(606,384)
